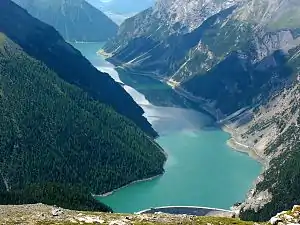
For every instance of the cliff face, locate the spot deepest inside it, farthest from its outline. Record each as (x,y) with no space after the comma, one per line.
(240,58)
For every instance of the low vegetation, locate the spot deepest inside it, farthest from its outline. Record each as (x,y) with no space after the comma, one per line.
(43,215)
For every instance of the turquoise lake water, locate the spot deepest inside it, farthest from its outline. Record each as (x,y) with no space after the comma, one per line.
(201,169)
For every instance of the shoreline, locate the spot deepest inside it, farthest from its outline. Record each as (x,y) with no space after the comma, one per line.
(140,180)
(231,142)
(105,56)
(125,186)
(242,148)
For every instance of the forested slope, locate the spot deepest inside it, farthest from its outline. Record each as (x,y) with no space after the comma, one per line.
(44,43)
(52,132)
(59,143)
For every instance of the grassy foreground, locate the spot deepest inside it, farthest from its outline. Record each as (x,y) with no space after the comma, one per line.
(45,215)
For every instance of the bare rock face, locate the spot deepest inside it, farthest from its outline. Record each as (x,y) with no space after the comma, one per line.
(182,40)
(190,14)
(168,17)
(272,134)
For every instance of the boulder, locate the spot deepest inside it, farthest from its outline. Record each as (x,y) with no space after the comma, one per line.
(56,211)
(296,208)
(288,218)
(275,220)
(118,222)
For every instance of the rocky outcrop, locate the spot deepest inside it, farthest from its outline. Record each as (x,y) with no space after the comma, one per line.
(287,217)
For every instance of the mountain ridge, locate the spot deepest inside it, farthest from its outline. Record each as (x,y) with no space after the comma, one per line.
(75,20)
(81,73)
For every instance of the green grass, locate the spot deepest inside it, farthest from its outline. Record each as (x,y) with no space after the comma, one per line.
(196,221)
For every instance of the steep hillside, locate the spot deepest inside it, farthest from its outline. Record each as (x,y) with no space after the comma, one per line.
(51,132)
(240,60)
(167,17)
(43,42)
(59,143)
(261,49)
(76,20)
(243,57)
(272,131)
(226,48)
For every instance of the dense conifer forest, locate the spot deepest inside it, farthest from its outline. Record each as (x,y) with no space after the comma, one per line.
(60,139)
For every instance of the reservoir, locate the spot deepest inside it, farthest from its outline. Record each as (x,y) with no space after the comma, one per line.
(201,169)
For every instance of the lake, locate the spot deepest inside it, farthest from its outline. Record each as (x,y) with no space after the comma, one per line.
(201,169)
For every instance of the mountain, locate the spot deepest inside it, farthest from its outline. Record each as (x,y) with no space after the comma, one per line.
(61,138)
(119,10)
(123,7)
(76,20)
(166,18)
(42,42)
(239,60)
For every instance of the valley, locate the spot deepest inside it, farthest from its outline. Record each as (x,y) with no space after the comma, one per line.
(199,161)
(186,107)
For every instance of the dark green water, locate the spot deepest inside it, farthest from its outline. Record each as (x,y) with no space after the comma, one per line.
(201,169)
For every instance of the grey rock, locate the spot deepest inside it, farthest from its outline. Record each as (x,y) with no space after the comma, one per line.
(56,211)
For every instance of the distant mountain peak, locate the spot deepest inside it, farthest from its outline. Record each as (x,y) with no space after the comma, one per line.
(76,20)
(190,13)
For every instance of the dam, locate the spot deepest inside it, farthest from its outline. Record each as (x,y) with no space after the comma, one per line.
(189,210)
